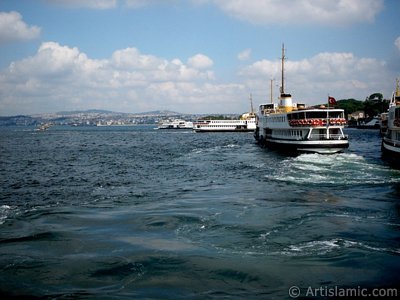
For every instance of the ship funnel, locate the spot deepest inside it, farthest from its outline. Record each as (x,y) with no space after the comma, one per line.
(286,102)
(285,99)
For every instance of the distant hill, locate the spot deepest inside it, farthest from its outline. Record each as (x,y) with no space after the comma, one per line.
(92,117)
(18,120)
(109,112)
(160,112)
(89,111)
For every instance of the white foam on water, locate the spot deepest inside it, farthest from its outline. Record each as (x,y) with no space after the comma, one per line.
(313,248)
(344,168)
(231,146)
(5,211)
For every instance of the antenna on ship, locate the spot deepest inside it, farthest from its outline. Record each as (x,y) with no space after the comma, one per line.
(283,69)
(251,104)
(272,101)
(285,99)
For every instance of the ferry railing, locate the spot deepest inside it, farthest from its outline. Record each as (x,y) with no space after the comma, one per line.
(389,140)
(319,137)
(315,122)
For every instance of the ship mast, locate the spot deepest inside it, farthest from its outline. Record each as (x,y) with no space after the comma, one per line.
(251,103)
(272,100)
(283,69)
(285,99)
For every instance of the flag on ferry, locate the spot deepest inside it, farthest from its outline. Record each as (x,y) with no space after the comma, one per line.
(331,100)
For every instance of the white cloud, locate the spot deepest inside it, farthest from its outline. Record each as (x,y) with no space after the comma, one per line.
(141,3)
(245,54)
(60,77)
(200,61)
(96,4)
(342,75)
(109,4)
(397,43)
(328,12)
(13,28)
(301,11)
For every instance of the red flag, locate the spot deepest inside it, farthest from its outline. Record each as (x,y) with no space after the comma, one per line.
(332,100)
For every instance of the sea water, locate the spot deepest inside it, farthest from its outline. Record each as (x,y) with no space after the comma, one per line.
(133,212)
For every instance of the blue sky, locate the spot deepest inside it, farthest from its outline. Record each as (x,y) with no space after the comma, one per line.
(193,56)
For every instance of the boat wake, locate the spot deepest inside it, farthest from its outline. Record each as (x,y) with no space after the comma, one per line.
(4,213)
(326,247)
(345,169)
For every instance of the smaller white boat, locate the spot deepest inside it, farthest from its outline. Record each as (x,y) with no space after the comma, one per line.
(372,124)
(383,123)
(391,140)
(247,122)
(175,124)
(43,127)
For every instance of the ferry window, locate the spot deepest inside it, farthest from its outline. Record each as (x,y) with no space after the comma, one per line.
(397,113)
(317,114)
(334,131)
(334,114)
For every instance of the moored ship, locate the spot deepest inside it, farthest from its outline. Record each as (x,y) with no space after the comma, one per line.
(247,122)
(297,128)
(175,124)
(391,140)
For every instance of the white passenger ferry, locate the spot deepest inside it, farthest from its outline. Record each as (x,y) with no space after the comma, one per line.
(247,122)
(294,127)
(391,140)
(175,124)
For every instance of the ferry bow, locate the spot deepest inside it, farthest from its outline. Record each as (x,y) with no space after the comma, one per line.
(391,140)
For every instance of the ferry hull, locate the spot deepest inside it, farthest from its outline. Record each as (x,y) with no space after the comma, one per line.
(223,130)
(391,153)
(175,128)
(325,147)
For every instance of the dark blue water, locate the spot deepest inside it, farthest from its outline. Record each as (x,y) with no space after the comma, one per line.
(133,212)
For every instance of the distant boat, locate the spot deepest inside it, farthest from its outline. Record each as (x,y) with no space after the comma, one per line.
(383,123)
(175,124)
(296,128)
(391,140)
(246,123)
(372,124)
(44,127)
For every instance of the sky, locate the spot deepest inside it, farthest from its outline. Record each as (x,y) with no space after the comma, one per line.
(192,56)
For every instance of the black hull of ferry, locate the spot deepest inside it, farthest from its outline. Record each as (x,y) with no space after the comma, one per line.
(305,146)
(174,128)
(391,153)
(232,130)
